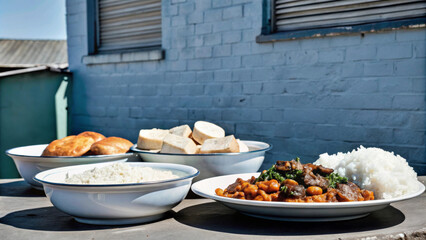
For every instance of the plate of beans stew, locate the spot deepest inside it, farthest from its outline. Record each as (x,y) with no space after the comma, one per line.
(291,191)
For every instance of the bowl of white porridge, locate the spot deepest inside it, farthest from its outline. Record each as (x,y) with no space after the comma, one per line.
(117,193)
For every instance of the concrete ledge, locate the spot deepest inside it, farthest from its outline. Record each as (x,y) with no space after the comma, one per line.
(140,56)
(344,30)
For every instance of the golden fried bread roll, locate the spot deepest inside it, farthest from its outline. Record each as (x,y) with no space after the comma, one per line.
(111,145)
(73,146)
(96,136)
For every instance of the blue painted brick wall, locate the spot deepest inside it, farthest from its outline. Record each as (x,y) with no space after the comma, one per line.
(304,96)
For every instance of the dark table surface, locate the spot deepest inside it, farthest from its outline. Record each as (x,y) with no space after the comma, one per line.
(26,213)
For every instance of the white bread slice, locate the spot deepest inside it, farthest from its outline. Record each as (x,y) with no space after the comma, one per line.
(177,144)
(151,139)
(226,144)
(154,151)
(194,139)
(205,130)
(183,131)
(243,146)
(198,148)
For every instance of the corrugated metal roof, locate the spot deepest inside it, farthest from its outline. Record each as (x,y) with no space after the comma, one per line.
(32,52)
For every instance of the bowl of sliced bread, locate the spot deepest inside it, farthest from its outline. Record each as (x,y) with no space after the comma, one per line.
(84,148)
(205,147)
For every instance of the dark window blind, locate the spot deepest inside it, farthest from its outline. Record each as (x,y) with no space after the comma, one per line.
(128,24)
(292,15)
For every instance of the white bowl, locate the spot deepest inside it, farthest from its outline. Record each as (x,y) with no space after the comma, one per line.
(29,162)
(214,164)
(115,204)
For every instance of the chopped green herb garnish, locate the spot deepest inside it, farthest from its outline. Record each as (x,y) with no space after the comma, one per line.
(334,179)
(285,190)
(265,175)
(293,174)
(270,174)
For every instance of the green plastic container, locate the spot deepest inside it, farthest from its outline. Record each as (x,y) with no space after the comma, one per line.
(33,110)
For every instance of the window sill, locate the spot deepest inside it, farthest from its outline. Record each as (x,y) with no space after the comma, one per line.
(125,57)
(325,32)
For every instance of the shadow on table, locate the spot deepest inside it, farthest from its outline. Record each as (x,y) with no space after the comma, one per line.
(51,219)
(216,217)
(19,188)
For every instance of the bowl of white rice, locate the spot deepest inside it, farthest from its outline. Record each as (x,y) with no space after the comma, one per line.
(117,193)
(386,174)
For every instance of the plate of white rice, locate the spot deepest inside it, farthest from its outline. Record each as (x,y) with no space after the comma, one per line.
(386,174)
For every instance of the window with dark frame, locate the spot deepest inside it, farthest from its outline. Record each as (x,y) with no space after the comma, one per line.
(310,15)
(127,25)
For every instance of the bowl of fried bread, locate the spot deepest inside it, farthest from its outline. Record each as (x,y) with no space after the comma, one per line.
(206,147)
(84,148)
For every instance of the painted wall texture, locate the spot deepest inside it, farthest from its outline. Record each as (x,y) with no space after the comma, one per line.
(305,96)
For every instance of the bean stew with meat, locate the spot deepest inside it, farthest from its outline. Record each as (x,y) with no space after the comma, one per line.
(292,181)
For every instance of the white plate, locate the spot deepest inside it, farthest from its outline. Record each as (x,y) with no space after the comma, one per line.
(286,211)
